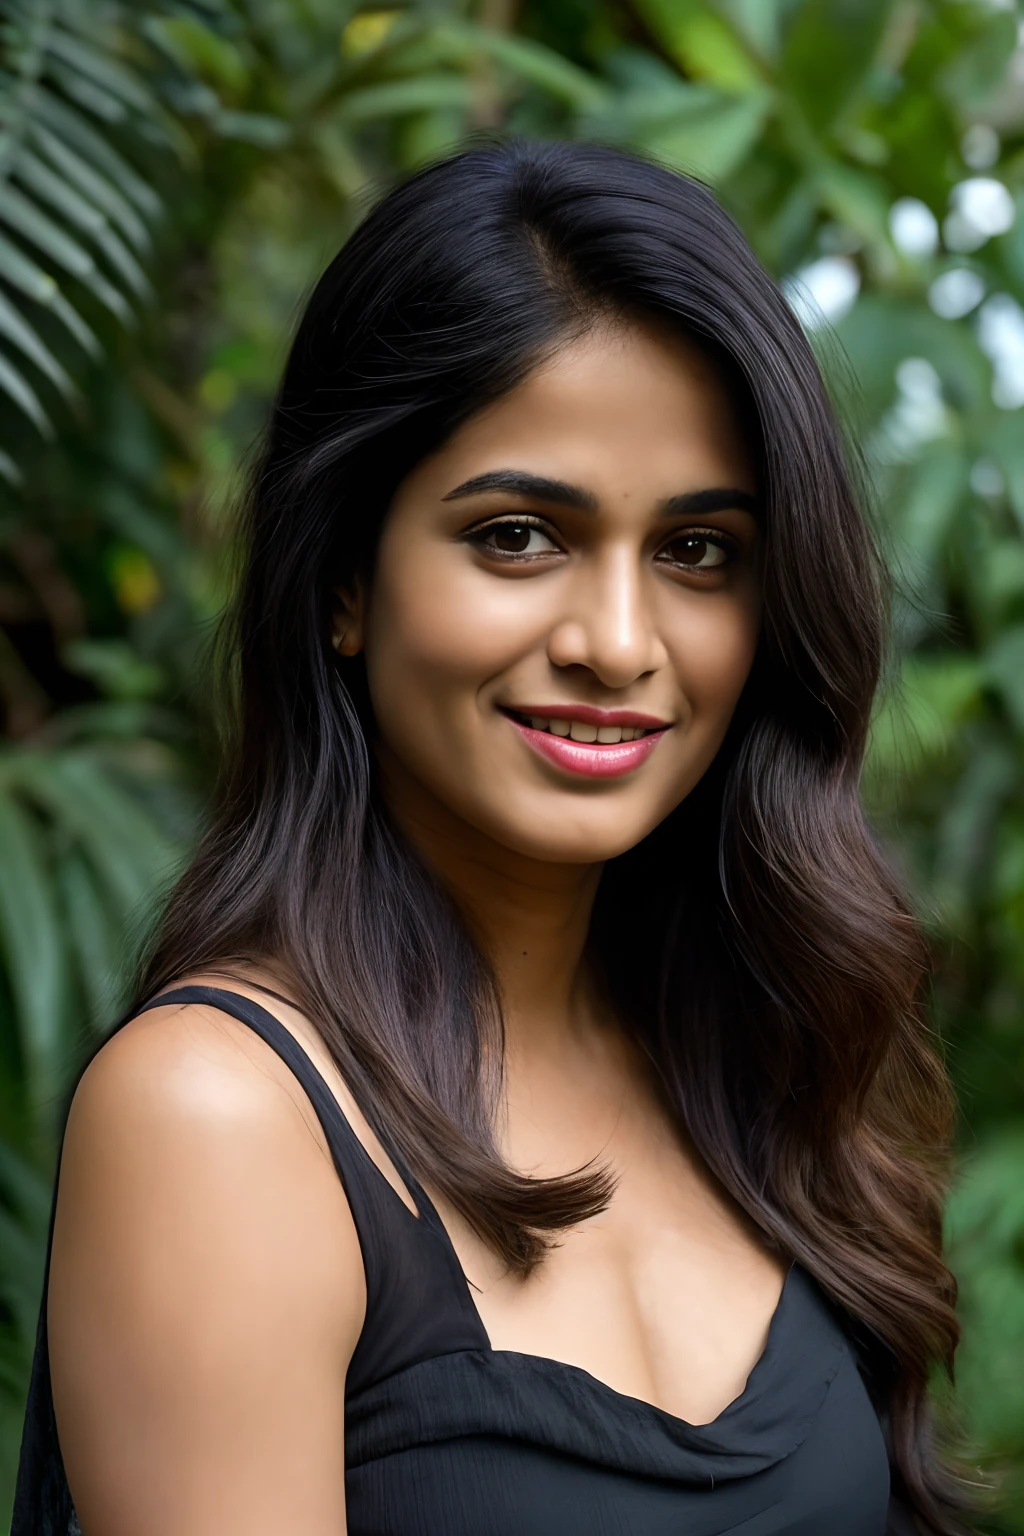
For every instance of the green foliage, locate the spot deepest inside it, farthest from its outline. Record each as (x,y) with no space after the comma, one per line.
(74,213)
(173,176)
(828,53)
(986,1231)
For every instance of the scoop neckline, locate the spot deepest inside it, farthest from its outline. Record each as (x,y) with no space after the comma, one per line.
(642,1404)
(426,1216)
(429,1216)
(566,1409)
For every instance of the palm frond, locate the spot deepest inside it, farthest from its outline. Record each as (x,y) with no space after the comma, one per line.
(77,212)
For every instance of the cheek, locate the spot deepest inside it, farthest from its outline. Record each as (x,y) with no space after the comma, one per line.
(712,647)
(437,631)
(438,625)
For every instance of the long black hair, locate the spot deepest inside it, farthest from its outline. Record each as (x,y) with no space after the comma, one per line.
(774,972)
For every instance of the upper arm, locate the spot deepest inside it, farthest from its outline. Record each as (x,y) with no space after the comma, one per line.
(206,1290)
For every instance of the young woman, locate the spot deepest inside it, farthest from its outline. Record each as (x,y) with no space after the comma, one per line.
(528,1122)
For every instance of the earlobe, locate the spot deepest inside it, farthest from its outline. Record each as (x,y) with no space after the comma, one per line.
(347,619)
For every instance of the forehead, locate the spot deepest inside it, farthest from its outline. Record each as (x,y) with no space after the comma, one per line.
(624,408)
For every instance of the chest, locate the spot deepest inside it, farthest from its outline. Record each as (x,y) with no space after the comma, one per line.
(667,1295)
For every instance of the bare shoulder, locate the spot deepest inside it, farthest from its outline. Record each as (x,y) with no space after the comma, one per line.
(193,1061)
(187,1104)
(206,1287)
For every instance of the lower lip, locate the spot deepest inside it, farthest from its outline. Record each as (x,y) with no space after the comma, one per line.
(591,760)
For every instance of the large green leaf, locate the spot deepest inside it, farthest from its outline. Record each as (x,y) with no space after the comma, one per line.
(395,98)
(985,1223)
(17,270)
(63,198)
(542,68)
(94,185)
(881,330)
(28,220)
(859,199)
(257,128)
(702,42)
(125,847)
(1005,441)
(21,1271)
(17,330)
(930,498)
(968,827)
(24,1190)
(1004,663)
(23,274)
(829,49)
(71,132)
(97,101)
(95,936)
(919,721)
(693,128)
(759,22)
(105,71)
(78,211)
(32,947)
(975,73)
(710,139)
(199,49)
(17,388)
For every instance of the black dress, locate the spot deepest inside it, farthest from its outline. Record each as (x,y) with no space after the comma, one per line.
(445,1436)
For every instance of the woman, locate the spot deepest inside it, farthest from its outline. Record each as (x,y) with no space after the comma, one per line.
(537,880)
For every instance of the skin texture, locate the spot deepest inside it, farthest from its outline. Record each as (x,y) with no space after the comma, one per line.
(206,1287)
(453,631)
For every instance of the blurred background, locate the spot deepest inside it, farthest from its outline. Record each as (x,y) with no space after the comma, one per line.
(173,176)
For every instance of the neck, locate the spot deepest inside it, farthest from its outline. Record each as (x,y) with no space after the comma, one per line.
(530,918)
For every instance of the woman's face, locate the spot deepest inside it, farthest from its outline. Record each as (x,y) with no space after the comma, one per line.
(565,604)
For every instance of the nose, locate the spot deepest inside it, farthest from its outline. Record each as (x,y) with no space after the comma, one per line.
(610,625)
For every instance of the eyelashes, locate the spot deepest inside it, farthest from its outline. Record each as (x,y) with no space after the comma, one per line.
(511,538)
(701,549)
(521,539)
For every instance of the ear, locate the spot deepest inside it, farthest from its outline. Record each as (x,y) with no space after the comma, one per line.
(348,614)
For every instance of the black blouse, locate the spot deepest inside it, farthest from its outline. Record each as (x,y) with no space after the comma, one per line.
(445,1436)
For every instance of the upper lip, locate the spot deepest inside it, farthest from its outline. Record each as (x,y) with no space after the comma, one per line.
(587,714)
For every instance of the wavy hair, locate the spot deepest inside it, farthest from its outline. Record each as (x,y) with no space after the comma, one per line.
(772,969)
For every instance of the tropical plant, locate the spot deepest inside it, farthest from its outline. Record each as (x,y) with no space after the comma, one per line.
(173,175)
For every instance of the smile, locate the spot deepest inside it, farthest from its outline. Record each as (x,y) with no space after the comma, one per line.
(592,743)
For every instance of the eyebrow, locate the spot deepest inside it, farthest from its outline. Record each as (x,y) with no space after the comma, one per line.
(519,482)
(717,498)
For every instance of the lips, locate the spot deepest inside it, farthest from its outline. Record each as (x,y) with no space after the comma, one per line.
(592,743)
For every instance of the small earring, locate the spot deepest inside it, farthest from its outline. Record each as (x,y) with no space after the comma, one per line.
(336,639)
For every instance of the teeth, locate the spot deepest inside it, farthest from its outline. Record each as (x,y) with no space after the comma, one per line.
(605,735)
(579,731)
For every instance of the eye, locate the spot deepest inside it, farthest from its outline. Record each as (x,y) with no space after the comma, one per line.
(513,538)
(698,549)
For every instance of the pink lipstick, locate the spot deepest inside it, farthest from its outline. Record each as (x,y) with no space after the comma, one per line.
(594,743)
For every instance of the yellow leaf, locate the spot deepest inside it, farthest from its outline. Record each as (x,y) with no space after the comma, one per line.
(701,43)
(366,32)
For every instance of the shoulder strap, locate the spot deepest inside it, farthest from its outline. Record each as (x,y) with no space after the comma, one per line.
(417,1301)
(353,1161)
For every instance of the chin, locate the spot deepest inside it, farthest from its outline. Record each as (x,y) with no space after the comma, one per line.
(577,844)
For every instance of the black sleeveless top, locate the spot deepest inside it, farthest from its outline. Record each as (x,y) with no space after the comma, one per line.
(445,1436)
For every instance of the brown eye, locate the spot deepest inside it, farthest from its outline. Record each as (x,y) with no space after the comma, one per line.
(514,537)
(696,551)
